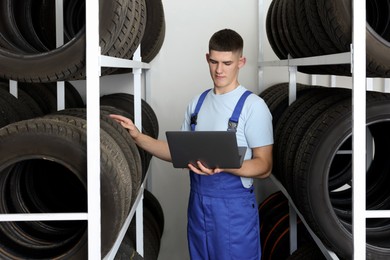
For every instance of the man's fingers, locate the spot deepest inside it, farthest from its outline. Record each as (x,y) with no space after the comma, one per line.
(121,119)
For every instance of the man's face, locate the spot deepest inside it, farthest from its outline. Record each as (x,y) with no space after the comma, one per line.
(224,68)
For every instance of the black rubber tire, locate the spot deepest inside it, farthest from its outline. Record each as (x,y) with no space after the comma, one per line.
(276,202)
(112,157)
(125,102)
(73,98)
(270,37)
(31,105)
(334,19)
(275,30)
(10,30)
(153,38)
(311,173)
(12,109)
(74,19)
(338,18)
(24,21)
(43,22)
(281,132)
(65,144)
(295,35)
(130,36)
(151,237)
(145,156)
(318,29)
(22,13)
(152,233)
(154,206)
(137,157)
(42,95)
(304,28)
(298,122)
(277,98)
(126,145)
(22,193)
(292,48)
(378,57)
(67,61)
(275,229)
(270,91)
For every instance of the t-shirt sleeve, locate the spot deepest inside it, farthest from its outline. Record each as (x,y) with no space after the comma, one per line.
(258,127)
(186,125)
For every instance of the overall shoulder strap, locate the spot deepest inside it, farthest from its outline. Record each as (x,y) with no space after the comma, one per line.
(233,121)
(194,115)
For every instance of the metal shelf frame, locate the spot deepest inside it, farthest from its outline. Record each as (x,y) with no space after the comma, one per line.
(357,59)
(94,62)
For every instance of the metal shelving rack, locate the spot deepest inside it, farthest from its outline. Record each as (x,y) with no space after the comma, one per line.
(94,62)
(357,59)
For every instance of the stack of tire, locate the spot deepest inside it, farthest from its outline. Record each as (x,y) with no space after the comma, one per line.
(28,51)
(43,169)
(313,160)
(124,105)
(303,28)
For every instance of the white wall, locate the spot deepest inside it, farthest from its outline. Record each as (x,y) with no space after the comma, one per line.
(179,72)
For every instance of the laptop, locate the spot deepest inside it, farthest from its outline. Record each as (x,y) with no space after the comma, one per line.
(215,149)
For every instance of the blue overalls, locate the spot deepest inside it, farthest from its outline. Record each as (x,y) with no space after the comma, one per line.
(223,221)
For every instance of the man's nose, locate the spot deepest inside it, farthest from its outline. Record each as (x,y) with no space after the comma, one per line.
(219,68)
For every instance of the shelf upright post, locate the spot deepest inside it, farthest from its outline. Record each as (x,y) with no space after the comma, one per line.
(292,96)
(358,66)
(293,228)
(13,88)
(138,123)
(386,85)
(370,84)
(93,68)
(332,81)
(148,98)
(261,27)
(60,41)
(137,90)
(292,70)
(313,80)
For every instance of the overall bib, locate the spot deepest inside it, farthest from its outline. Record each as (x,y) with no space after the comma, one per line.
(223,221)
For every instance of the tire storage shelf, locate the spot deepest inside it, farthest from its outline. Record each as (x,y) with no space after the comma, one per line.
(357,59)
(94,62)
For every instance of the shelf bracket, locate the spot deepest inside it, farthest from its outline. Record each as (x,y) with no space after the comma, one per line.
(292,72)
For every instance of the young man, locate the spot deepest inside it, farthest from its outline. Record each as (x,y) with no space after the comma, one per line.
(223,221)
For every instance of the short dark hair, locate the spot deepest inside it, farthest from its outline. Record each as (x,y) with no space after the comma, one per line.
(226,40)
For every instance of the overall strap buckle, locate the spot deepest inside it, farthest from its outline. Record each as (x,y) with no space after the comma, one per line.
(233,120)
(194,116)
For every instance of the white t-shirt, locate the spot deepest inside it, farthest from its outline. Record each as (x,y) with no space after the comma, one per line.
(254,126)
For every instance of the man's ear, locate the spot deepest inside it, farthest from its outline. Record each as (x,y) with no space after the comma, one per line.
(207,57)
(241,62)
